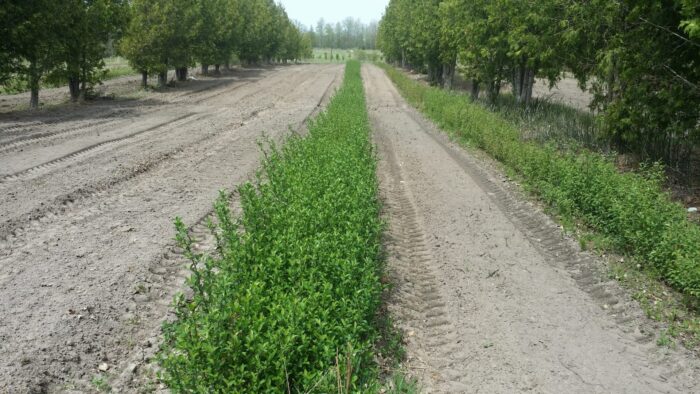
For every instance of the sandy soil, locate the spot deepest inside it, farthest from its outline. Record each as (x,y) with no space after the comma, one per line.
(490,295)
(88,194)
(566,91)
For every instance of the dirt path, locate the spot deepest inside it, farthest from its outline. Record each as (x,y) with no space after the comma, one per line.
(87,200)
(489,294)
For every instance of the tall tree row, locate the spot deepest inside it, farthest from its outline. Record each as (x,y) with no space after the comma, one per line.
(167,34)
(641,59)
(66,41)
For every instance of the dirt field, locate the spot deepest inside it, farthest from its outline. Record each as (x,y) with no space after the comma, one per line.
(87,198)
(489,294)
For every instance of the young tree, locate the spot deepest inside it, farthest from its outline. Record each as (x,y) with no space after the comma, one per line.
(160,36)
(89,26)
(214,39)
(140,42)
(30,41)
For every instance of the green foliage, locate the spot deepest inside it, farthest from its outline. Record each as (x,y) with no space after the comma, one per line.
(216,26)
(639,58)
(647,82)
(166,34)
(29,42)
(88,26)
(52,42)
(629,209)
(290,301)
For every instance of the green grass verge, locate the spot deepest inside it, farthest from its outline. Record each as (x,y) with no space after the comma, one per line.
(631,210)
(291,301)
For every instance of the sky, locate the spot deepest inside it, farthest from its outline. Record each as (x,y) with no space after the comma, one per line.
(308,12)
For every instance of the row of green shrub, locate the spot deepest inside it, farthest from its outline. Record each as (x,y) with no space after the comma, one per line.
(290,302)
(632,210)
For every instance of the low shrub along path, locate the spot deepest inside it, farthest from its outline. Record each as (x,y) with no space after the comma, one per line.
(289,302)
(489,294)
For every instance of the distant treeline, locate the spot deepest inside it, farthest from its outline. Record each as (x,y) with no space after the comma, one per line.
(640,59)
(348,34)
(67,40)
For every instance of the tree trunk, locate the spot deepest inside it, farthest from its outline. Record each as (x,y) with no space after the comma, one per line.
(205,69)
(181,73)
(74,88)
(84,79)
(475,90)
(217,68)
(34,99)
(227,66)
(528,83)
(162,79)
(517,83)
(34,86)
(494,91)
(144,79)
(448,75)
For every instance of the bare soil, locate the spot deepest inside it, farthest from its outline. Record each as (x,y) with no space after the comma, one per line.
(566,91)
(88,194)
(489,293)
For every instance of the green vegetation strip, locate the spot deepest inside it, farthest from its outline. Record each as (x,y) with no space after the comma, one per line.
(291,304)
(631,210)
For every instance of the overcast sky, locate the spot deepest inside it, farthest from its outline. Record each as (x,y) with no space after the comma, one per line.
(309,12)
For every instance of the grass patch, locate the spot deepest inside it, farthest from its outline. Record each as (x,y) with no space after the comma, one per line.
(631,211)
(116,67)
(291,301)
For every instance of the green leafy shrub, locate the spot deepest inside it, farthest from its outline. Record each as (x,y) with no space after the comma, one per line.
(631,209)
(291,299)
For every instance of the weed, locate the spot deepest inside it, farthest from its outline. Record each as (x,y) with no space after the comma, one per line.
(101,384)
(664,339)
(401,384)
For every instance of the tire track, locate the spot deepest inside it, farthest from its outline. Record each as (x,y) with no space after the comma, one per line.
(111,116)
(500,332)
(84,151)
(416,299)
(74,156)
(547,237)
(66,131)
(12,230)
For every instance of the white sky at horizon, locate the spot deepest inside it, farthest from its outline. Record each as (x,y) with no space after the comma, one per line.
(308,12)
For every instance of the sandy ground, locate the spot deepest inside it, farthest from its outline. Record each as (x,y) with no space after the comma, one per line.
(566,91)
(490,295)
(88,195)
(51,97)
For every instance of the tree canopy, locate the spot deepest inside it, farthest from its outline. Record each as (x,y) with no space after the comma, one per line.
(67,41)
(640,59)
